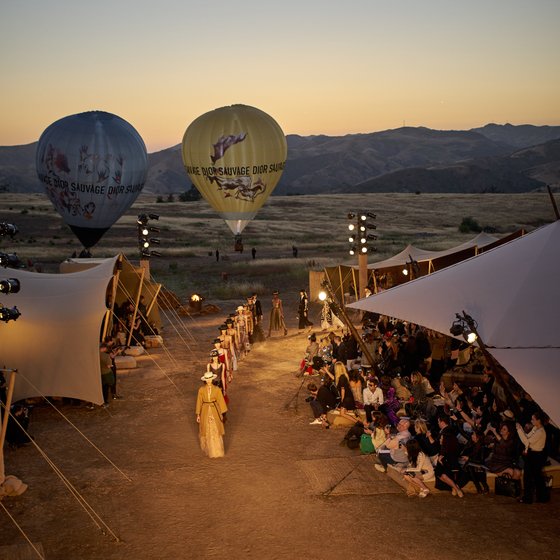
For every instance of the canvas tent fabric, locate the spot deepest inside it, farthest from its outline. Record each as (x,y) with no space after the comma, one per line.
(344,279)
(54,345)
(512,292)
(131,281)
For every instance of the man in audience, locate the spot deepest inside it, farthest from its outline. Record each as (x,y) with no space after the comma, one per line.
(393,451)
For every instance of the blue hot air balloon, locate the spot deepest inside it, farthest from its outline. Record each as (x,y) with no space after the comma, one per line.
(92,165)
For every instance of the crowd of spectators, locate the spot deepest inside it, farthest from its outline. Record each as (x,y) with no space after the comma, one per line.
(427,426)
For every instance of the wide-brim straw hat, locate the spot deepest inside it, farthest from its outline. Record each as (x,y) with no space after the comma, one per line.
(208,375)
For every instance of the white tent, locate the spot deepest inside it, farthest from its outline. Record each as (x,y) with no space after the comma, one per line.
(54,345)
(422,255)
(512,292)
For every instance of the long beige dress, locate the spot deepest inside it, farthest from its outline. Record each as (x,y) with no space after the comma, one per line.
(211,407)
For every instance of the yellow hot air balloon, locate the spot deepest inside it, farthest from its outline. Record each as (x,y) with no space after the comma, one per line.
(235,156)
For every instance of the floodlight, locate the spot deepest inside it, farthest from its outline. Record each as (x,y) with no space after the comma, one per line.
(322,296)
(8,229)
(9,286)
(457,328)
(7,314)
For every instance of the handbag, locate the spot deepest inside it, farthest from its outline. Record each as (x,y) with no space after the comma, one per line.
(366,444)
(507,486)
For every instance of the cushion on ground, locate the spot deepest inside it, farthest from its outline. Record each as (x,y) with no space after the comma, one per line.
(153,341)
(134,351)
(125,362)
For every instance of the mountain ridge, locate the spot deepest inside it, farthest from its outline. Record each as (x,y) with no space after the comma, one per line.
(492,158)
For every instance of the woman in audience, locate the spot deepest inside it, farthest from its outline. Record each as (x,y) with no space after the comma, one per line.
(342,382)
(391,406)
(505,452)
(357,386)
(425,439)
(420,469)
(473,456)
(447,462)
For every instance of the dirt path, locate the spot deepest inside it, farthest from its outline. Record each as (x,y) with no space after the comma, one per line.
(261,500)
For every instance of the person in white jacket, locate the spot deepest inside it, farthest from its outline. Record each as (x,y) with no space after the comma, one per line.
(372,397)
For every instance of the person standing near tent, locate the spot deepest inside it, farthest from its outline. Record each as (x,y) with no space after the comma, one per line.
(211,411)
(108,379)
(303,311)
(534,460)
(277,315)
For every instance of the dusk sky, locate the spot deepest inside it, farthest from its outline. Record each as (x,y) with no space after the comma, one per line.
(316,66)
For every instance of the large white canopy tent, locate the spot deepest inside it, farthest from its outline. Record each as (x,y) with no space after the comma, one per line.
(512,292)
(54,345)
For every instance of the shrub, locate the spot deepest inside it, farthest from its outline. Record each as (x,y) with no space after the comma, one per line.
(469,224)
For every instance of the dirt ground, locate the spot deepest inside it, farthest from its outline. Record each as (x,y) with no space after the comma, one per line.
(284,489)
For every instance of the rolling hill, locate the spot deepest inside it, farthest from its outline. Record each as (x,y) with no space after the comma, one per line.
(493,158)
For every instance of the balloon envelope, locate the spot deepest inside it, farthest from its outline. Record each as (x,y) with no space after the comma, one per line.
(235,157)
(93,166)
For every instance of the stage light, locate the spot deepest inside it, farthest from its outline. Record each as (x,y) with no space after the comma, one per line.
(457,328)
(9,286)
(364,250)
(352,250)
(322,296)
(144,230)
(405,271)
(8,229)
(466,326)
(351,216)
(10,260)
(351,227)
(7,314)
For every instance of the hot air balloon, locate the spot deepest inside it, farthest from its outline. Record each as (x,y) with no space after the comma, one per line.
(235,156)
(93,165)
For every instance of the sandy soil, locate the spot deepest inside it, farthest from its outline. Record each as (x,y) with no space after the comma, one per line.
(260,500)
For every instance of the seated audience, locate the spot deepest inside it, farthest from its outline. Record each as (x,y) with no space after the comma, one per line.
(392,452)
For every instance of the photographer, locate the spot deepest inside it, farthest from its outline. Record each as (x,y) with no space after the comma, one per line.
(321,401)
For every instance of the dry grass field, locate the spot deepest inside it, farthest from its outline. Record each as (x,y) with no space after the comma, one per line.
(316,225)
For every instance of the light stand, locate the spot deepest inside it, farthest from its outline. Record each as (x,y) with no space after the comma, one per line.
(358,238)
(469,330)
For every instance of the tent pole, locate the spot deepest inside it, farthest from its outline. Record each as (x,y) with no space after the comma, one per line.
(142,272)
(341,284)
(556,213)
(6,414)
(110,312)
